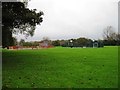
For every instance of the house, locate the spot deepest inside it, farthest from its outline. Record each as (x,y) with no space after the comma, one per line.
(98,44)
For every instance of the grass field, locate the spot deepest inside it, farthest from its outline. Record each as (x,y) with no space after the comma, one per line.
(61,68)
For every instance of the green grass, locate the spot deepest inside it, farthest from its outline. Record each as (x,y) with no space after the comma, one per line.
(61,68)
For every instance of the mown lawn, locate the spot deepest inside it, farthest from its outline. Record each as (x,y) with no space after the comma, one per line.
(61,68)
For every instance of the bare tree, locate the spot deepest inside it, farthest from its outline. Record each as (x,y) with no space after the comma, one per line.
(118,39)
(109,34)
(22,41)
(45,39)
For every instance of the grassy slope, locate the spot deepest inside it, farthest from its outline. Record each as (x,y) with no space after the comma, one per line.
(61,67)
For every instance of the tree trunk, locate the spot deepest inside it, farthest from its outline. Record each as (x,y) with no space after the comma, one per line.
(6,37)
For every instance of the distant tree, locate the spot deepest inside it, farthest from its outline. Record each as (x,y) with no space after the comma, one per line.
(64,43)
(45,39)
(27,44)
(22,41)
(14,41)
(35,44)
(118,39)
(83,42)
(16,18)
(108,33)
(56,43)
(110,36)
(79,42)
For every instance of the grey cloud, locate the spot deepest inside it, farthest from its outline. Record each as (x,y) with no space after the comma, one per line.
(65,19)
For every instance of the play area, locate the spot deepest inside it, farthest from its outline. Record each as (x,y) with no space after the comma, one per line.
(61,67)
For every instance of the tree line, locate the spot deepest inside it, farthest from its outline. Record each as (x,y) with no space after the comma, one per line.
(110,38)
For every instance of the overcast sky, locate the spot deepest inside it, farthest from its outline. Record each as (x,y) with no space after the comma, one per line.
(66,19)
